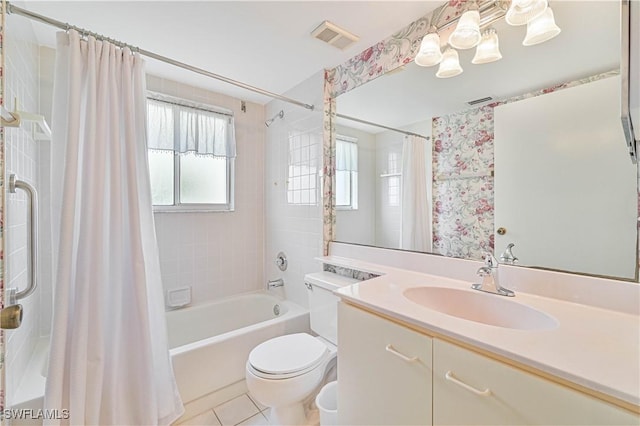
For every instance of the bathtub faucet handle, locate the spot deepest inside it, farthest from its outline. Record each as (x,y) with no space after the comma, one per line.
(281,261)
(275,283)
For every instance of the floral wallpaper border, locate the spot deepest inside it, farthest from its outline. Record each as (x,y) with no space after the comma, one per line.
(348,272)
(390,53)
(329,167)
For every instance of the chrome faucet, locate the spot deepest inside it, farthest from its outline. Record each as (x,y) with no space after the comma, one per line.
(490,281)
(507,257)
(275,283)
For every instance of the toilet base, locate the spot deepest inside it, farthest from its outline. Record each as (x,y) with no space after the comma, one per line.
(290,415)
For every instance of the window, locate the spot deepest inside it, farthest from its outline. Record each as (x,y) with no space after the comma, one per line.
(191,155)
(302,182)
(393,188)
(346,173)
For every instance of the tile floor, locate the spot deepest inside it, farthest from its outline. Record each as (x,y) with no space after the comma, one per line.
(243,411)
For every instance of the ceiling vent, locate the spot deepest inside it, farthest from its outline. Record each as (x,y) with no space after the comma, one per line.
(480,100)
(334,35)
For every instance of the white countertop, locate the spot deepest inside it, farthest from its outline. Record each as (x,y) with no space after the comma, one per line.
(596,348)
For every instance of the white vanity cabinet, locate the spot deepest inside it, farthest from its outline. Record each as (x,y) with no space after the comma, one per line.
(384,371)
(469,388)
(389,374)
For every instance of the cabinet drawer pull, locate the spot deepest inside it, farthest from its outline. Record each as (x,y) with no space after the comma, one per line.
(390,348)
(449,376)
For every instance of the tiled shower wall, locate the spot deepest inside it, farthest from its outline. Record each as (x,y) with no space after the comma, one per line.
(218,254)
(294,222)
(22,63)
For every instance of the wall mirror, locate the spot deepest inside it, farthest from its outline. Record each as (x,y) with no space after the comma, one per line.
(542,164)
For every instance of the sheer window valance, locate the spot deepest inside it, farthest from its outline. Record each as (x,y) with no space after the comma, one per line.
(187,129)
(346,154)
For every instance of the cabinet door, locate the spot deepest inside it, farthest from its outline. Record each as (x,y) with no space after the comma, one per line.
(384,371)
(469,388)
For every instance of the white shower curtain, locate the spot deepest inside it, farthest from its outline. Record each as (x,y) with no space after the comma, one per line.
(416,195)
(109,361)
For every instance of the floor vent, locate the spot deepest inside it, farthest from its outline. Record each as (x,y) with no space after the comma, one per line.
(334,35)
(480,101)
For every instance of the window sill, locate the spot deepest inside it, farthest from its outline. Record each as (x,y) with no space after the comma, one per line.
(198,209)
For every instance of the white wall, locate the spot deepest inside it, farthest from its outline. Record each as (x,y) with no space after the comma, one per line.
(218,254)
(21,158)
(295,229)
(359,226)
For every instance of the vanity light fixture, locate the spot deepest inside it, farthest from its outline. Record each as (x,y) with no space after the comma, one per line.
(489,48)
(541,29)
(536,14)
(450,65)
(467,32)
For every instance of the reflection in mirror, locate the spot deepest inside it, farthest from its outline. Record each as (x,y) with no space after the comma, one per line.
(541,164)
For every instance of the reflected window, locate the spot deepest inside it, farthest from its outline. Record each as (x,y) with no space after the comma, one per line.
(346,173)
(393,183)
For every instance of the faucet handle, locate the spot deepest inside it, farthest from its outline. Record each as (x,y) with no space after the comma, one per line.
(508,256)
(484,271)
(490,261)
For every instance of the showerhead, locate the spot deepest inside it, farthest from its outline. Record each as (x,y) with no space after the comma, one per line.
(271,120)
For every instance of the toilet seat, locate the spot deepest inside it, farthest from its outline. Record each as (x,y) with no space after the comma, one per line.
(287,356)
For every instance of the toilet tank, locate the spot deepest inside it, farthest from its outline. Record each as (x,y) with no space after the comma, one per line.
(323,304)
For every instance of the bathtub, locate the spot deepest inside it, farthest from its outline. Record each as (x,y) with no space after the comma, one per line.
(210,343)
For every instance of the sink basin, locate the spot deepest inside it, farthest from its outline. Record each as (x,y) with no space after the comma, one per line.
(481,307)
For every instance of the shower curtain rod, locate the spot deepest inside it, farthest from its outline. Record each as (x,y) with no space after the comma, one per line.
(65,26)
(346,117)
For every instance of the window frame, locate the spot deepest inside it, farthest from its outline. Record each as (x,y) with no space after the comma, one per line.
(353,205)
(177,206)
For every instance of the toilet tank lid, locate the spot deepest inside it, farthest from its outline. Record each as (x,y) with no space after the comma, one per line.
(329,280)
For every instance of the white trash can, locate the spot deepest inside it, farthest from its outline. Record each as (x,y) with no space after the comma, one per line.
(327,402)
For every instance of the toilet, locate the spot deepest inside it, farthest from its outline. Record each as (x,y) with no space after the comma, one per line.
(284,371)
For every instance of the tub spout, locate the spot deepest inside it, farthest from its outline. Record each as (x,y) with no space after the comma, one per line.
(275,283)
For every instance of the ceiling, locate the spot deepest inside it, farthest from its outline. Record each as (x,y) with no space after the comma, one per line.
(266,44)
(588,44)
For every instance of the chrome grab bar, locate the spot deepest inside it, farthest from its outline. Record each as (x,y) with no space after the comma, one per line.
(14,184)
